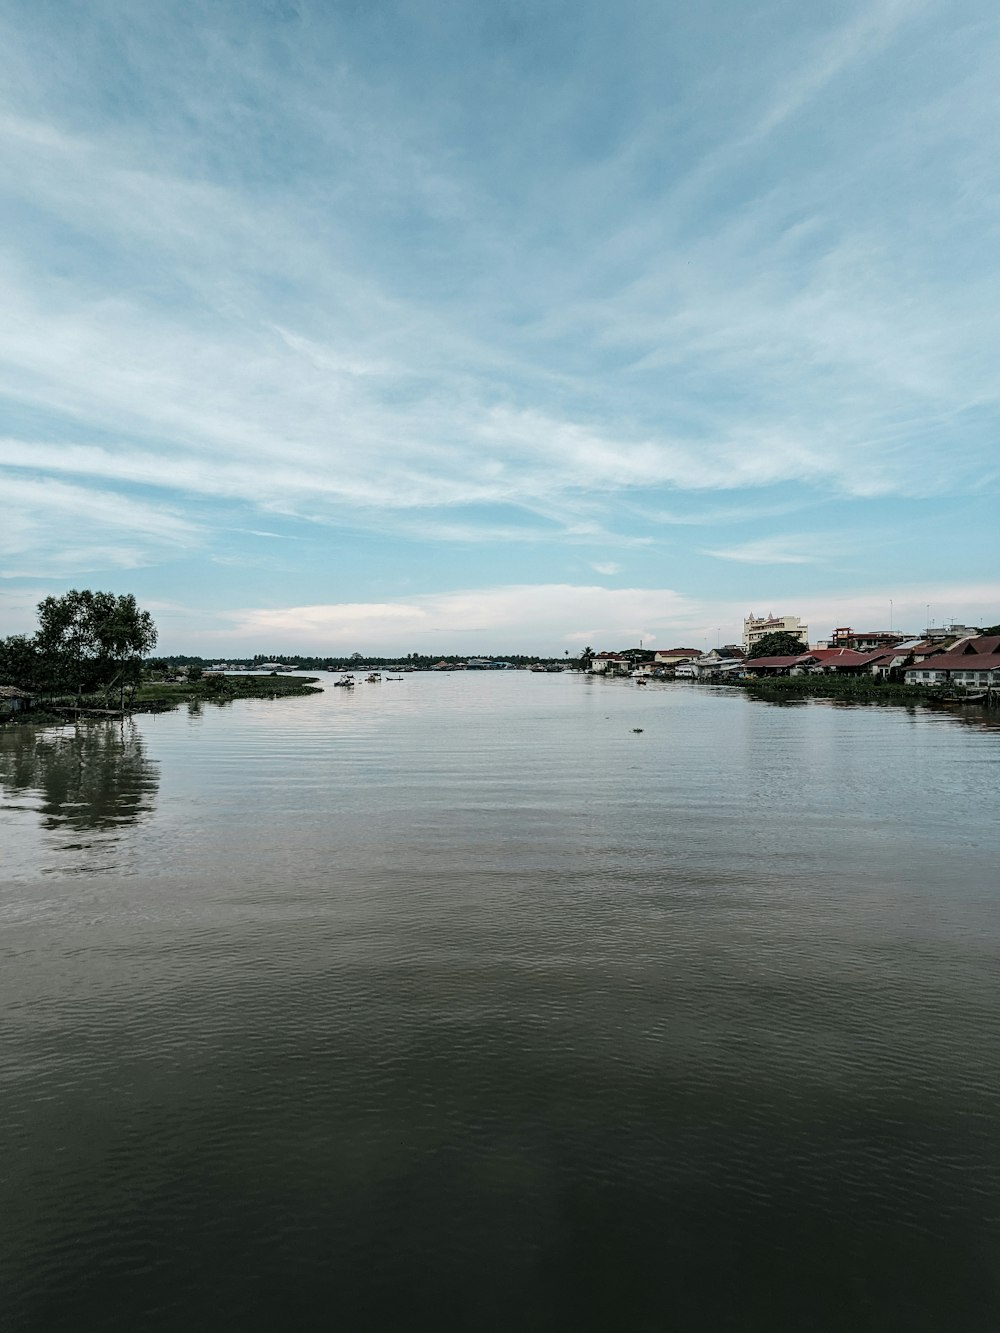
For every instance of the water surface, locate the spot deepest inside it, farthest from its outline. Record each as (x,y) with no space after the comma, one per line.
(459,1002)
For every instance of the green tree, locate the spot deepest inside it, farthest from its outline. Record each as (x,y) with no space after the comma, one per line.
(20,664)
(586,657)
(779,644)
(92,641)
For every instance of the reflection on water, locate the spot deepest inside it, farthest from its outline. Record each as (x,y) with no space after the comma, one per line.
(94,777)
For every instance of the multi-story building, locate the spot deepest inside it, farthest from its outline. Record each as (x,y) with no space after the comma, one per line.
(755,627)
(865,641)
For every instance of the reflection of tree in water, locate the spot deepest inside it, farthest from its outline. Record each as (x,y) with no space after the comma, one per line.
(96,776)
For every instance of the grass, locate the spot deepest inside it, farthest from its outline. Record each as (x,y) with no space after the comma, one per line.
(153,696)
(160,696)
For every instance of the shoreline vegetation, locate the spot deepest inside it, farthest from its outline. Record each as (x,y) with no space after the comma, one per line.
(158,696)
(850,689)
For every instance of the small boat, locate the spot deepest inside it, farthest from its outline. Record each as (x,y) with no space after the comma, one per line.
(347,682)
(373,678)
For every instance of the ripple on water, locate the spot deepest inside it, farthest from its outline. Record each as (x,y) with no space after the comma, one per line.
(468,1006)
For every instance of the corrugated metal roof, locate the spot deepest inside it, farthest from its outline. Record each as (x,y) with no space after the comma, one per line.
(752,662)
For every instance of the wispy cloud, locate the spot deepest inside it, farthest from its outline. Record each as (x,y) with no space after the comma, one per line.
(703,275)
(57,530)
(788,550)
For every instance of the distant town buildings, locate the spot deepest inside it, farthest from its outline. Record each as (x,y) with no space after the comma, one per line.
(755,627)
(865,641)
(953,631)
(968,660)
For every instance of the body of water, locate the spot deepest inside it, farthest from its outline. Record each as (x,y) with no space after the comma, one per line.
(492,1001)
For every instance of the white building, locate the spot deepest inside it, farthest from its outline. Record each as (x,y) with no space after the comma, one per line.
(755,627)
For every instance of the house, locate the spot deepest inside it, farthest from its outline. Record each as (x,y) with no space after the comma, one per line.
(671,656)
(731,652)
(780,666)
(843,661)
(13,700)
(711,668)
(926,648)
(610,664)
(719,663)
(972,663)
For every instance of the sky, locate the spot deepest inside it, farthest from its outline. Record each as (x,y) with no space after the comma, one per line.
(441,326)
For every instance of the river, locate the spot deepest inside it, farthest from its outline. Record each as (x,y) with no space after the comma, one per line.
(496,1000)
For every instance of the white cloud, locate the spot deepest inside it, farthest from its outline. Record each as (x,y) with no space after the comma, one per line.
(516,618)
(608,567)
(787,550)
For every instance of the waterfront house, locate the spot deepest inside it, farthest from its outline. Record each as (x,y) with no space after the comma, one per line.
(972,663)
(780,666)
(843,661)
(720,663)
(13,701)
(673,656)
(610,664)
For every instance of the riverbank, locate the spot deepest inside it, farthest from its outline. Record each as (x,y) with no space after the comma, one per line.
(164,696)
(154,696)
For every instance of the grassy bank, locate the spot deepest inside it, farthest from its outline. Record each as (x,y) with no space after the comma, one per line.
(154,696)
(162,696)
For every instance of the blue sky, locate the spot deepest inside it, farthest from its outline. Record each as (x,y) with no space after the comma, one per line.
(500,327)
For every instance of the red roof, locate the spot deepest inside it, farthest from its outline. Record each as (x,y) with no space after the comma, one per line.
(752,662)
(960,662)
(844,656)
(982,643)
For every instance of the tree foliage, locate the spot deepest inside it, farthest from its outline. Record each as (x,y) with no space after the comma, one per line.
(782,643)
(86,642)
